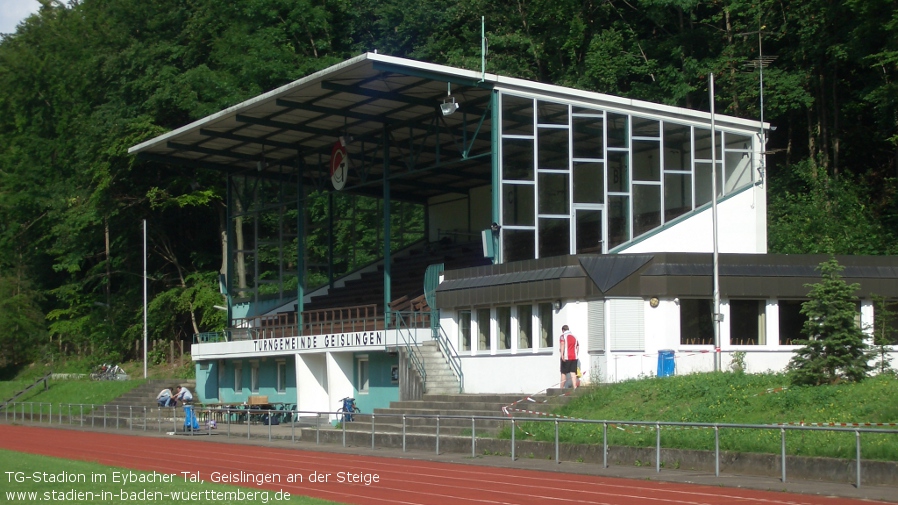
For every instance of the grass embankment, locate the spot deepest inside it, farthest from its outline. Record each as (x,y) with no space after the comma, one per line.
(83,390)
(178,491)
(734,398)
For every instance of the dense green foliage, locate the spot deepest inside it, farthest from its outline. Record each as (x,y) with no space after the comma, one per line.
(732,398)
(833,349)
(80,83)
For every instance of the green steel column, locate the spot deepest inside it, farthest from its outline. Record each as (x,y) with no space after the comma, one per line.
(330,239)
(300,249)
(229,247)
(494,158)
(387,280)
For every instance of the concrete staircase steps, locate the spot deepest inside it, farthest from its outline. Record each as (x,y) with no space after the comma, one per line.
(440,377)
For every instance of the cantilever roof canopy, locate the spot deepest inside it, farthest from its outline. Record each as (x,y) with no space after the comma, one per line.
(293,129)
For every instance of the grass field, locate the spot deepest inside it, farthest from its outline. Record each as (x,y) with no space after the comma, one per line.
(177,491)
(722,397)
(734,398)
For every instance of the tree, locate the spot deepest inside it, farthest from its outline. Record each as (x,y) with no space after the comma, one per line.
(834,350)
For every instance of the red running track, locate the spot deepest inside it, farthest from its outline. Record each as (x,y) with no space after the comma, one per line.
(401,481)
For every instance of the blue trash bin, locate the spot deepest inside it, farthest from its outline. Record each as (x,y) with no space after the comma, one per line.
(666,364)
(190,420)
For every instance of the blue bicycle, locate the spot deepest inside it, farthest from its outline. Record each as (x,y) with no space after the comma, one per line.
(348,408)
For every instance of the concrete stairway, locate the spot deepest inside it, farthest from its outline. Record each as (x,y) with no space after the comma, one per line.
(440,377)
(455,410)
(134,403)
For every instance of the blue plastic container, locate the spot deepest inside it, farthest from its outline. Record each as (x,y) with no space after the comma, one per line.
(190,420)
(666,364)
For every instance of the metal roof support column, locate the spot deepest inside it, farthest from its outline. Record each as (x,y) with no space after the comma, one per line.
(387,280)
(229,247)
(300,249)
(494,160)
(330,239)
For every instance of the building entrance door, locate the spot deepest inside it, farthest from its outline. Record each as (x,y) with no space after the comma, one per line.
(588,235)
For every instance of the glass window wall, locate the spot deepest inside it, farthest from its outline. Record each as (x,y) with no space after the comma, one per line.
(634,172)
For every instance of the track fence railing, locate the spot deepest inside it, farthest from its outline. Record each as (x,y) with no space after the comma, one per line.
(243,422)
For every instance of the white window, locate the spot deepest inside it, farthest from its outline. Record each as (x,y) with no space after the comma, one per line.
(282,377)
(545,325)
(525,326)
(464,330)
(254,377)
(363,374)
(238,377)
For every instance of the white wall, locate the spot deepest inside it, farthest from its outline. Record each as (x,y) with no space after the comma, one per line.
(339,378)
(311,382)
(512,373)
(741,228)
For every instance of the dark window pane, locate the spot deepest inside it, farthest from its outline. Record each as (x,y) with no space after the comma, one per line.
(646,161)
(646,208)
(517,159)
(553,194)
(551,113)
(618,220)
(589,183)
(517,205)
(677,147)
(703,144)
(695,322)
(747,322)
(554,237)
(618,131)
(618,172)
(518,245)
(553,148)
(677,195)
(517,115)
(588,137)
(589,231)
(643,127)
(791,321)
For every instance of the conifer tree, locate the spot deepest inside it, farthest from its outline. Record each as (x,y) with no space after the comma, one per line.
(834,350)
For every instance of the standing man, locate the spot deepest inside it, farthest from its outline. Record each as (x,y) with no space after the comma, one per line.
(568,348)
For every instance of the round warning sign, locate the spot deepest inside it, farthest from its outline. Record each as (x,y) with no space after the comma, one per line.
(339,166)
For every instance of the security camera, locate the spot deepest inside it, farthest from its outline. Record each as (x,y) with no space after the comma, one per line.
(677,301)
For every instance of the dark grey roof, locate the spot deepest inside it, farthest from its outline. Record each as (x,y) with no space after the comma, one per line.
(660,274)
(607,271)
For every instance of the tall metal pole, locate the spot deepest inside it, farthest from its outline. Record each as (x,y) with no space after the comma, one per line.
(715,316)
(144,298)
(761,93)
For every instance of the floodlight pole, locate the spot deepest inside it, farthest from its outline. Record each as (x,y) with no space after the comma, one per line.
(715,315)
(144,298)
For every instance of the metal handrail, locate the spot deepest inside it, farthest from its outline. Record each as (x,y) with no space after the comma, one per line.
(411,351)
(77,414)
(449,352)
